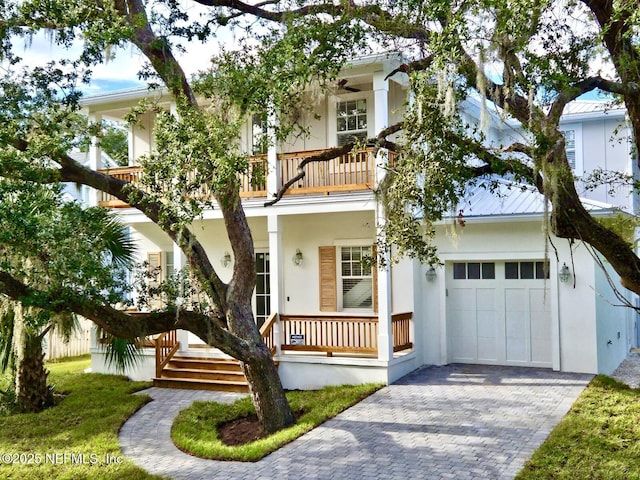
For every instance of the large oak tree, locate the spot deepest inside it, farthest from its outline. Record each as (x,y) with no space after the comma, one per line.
(528,57)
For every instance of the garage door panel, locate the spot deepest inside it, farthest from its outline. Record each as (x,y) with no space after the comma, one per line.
(499,320)
(463,348)
(462,298)
(486,299)
(540,325)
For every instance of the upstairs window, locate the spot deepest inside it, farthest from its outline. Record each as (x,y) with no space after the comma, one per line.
(573,146)
(351,121)
(259,138)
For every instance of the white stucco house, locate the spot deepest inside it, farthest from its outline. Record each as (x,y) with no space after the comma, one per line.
(333,320)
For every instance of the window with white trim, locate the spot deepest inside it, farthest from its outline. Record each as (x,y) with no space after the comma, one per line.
(573,146)
(356,278)
(259,138)
(351,120)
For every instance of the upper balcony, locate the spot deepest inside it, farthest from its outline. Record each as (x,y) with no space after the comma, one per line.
(348,173)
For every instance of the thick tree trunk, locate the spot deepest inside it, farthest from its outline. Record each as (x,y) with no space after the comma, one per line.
(267,394)
(32,393)
(268,397)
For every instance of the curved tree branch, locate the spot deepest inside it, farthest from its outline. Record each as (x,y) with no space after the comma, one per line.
(72,171)
(121,324)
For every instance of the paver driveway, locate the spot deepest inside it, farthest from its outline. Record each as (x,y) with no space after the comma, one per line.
(457,421)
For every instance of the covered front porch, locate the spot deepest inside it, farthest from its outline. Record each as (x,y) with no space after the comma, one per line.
(330,346)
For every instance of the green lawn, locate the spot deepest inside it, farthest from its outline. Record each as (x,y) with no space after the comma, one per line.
(598,439)
(195,430)
(73,439)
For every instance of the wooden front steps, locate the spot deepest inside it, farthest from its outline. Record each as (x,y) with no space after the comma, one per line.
(203,374)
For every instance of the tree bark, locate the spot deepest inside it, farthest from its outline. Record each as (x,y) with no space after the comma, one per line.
(32,393)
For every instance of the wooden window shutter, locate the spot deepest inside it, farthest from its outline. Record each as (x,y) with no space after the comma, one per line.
(328,281)
(154,259)
(374,277)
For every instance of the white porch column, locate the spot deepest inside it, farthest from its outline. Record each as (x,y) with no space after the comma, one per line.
(273,172)
(95,158)
(276,268)
(381,121)
(385,337)
(179,262)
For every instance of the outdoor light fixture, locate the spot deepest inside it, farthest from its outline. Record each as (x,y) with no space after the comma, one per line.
(226,259)
(565,273)
(431,274)
(297,258)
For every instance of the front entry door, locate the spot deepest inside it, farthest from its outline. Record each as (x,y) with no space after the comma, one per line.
(263,301)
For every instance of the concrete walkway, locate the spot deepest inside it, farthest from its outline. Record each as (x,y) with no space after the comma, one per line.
(458,421)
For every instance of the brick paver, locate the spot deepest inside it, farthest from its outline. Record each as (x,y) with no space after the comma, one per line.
(457,421)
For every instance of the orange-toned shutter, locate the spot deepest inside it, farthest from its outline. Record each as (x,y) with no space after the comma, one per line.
(154,259)
(328,281)
(374,277)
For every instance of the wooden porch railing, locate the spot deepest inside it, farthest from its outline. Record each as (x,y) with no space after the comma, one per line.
(268,333)
(166,346)
(330,334)
(401,331)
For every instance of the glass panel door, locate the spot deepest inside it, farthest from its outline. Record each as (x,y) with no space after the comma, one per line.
(263,303)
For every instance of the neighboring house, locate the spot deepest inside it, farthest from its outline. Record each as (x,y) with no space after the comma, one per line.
(340,322)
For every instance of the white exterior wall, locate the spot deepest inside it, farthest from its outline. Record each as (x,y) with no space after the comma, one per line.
(605,144)
(308,233)
(402,297)
(577,312)
(144,370)
(142,141)
(573,310)
(615,323)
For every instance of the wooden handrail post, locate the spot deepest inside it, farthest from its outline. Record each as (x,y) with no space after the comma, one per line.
(166,346)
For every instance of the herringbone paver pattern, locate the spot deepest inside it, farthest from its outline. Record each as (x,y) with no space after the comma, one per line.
(458,422)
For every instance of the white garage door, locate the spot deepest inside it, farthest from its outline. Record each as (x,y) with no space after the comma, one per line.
(499,313)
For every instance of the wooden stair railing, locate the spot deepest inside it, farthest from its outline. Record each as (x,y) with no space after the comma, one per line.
(268,333)
(401,331)
(166,346)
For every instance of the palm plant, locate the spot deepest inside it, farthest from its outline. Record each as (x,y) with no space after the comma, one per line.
(45,242)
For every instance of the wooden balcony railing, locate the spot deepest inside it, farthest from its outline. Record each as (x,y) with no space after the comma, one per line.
(352,171)
(401,331)
(166,346)
(349,172)
(330,334)
(252,184)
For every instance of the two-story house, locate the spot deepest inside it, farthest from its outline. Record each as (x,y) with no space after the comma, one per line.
(328,317)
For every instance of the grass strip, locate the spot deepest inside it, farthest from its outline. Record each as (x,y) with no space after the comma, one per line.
(599,438)
(76,438)
(195,430)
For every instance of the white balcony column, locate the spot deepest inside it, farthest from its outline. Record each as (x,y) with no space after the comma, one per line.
(179,262)
(95,159)
(381,121)
(380,102)
(276,269)
(273,170)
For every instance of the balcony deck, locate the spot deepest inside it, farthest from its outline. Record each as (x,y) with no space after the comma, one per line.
(349,172)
